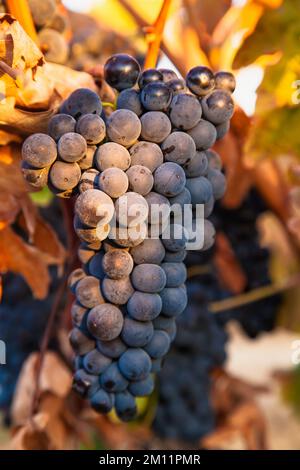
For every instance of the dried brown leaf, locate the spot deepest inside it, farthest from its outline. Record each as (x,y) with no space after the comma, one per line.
(21,258)
(55,378)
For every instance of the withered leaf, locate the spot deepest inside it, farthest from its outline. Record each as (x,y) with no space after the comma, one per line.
(21,258)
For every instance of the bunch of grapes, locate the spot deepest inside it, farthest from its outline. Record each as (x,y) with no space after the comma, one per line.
(184,408)
(239,225)
(129,169)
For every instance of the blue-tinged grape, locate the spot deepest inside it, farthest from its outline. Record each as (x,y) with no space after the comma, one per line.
(125,405)
(61,124)
(93,207)
(85,253)
(174,237)
(92,128)
(168,75)
(149,76)
(175,256)
(53,45)
(182,198)
(204,134)
(200,80)
(156,365)
(95,267)
(78,313)
(214,160)
(105,322)
(117,291)
(85,384)
(209,207)
(185,111)
(146,154)
(112,155)
(96,363)
(222,129)
(64,176)
(226,81)
(71,147)
(169,179)
(163,323)
(80,343)
(114,182)
(159,345)
(178,147)
(156,126)
(117,264)
(36,177)
(39,150)
(131,236)
(101,401)
(87,160)
(42,12)
(218,182)
(218,106)
(112,380)
(74,278)
(113,349)
(136,334)
(197,166)
(159,208)
(89,180)
(156,96)
(123,127)
(150,251)
(176,274)
(142,388)
(148,277)
(121,71)
(84,232)
(177,85)
(200,189)
(171,330)
(82,101)
(174,301)
(209,235)
(143,306)
(130,99)
(131,209)
(140,179)
(135,364)
(88,292)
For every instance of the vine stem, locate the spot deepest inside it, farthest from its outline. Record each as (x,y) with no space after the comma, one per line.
(21,11)
(154,35)
(179,64)
(255,294)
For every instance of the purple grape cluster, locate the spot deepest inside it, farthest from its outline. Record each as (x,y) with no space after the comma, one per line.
(128,170)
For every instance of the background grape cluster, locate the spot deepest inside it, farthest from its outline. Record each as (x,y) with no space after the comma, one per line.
(152,152)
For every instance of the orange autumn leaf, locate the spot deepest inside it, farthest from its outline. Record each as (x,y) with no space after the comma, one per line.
(19,257)
(230,272)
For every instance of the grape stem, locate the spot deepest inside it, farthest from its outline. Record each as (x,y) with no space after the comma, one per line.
(255,294)
(72,257)
(154,35)
(21,11)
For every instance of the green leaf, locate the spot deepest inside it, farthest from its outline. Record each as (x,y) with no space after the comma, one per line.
(275,133)
(42,198)
(277,30)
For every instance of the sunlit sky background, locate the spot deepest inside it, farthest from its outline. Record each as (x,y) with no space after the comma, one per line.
(248,79)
